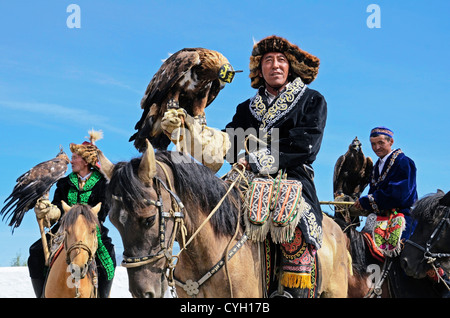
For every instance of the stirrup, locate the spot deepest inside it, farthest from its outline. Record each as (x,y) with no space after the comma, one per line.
(283,294)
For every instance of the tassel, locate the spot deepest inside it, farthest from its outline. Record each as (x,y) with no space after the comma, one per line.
(296,280)
(95,135)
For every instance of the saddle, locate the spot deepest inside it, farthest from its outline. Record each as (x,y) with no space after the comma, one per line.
(56,246)
(383,234)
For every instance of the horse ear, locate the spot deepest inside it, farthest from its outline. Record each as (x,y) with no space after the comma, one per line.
(147,167)
(65,206)
(106,166)
(96,208)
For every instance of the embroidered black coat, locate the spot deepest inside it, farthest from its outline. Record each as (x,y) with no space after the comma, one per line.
(98,195)
(296,144)
(36,264)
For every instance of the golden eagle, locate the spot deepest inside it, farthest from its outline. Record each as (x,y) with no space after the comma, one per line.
(352,172)
(191,79)
(32,185)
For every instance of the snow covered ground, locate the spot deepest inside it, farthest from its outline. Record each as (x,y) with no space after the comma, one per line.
(15,283)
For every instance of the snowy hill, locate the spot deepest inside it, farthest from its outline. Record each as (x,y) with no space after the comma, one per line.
(15,283)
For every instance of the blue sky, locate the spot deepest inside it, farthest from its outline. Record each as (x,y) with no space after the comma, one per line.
(56,83)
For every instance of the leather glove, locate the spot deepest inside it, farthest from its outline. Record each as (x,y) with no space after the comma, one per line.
(208,145)
(173,119)
(44,209)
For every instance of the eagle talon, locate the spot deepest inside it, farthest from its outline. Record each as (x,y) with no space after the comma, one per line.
(173,104)
(200,119)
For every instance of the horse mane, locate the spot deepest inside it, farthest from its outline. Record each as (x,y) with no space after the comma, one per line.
(196,185)
(125,184)
(70,217)
(428,208)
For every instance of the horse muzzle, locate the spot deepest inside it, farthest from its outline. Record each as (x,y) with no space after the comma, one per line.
(416,270)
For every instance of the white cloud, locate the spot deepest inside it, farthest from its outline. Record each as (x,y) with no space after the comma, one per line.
(61,114)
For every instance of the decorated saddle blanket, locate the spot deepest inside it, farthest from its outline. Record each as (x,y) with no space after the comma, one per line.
(385,233)
(56,245)
(294,265)
(297,262)
(275,206)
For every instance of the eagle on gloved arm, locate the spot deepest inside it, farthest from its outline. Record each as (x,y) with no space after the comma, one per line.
(352,172)
(190,79)
(31,186)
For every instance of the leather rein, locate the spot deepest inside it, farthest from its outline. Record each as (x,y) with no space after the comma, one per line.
(429,256)
(434,238)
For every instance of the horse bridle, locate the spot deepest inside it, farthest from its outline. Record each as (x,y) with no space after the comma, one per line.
(190,287)
(429,256)
(82,246)
(131,262)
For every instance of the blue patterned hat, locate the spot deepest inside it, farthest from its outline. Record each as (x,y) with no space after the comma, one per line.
(381,131)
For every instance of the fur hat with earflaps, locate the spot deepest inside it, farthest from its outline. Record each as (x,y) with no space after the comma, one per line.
(88,150)
(302,64)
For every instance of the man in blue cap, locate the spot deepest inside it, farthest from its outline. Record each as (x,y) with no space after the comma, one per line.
(393,182)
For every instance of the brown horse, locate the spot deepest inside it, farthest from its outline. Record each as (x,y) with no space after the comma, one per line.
(203,213)
(71,273)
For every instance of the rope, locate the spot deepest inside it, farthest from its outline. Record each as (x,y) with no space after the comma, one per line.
(431,262)
(336,203)
(185,244)
(227,249)
(209,216)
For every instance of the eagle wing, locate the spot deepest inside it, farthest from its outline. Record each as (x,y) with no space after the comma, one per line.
(170,72)
(367,172)
(159,90)
(31,186)
(337,178)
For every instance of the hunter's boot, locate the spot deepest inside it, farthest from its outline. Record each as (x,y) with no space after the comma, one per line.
(104,288)
(38,286)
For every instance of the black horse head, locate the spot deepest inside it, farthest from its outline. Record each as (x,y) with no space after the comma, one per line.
(429,246)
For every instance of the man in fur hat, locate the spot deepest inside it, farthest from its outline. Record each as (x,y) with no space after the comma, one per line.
(280,70)
(85,185)
(289,117)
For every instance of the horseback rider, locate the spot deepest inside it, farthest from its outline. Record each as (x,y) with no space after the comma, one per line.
(393,186)
(85,185)
(290,118)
